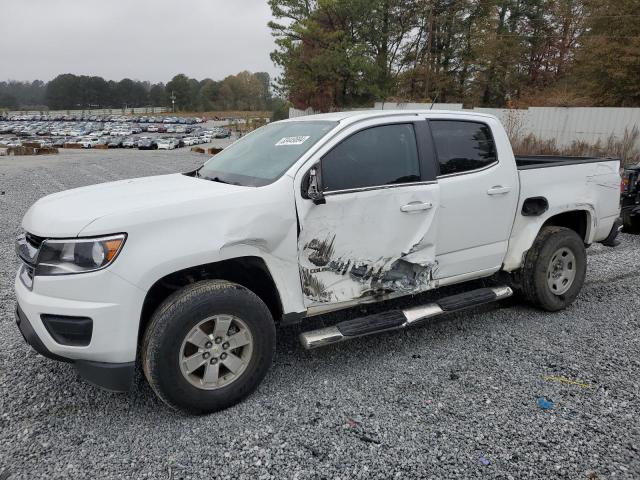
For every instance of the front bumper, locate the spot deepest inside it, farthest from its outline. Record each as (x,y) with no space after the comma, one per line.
(116,377)
(114,306)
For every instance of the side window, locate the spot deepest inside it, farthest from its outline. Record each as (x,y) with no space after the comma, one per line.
(462,146)
(376,156)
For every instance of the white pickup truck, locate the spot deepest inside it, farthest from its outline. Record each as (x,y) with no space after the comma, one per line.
(194,271)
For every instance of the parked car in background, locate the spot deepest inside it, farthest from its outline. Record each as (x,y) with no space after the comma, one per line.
(223,133)
(104,140)
(166,144)
(130,142)
(207,137)
(88,142)
(115,142)
(146,143)
(11,142)
(122,131)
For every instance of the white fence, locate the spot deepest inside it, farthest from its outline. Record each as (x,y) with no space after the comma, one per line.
(416,106)
(565,125)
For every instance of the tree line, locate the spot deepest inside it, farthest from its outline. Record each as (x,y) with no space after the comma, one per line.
(244,91)
(344,53)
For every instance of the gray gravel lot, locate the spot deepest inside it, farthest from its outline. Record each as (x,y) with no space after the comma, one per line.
(453,399)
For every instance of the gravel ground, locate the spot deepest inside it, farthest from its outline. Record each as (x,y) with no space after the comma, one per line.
(453,399)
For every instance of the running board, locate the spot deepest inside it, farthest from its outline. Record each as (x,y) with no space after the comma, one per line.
(397,319)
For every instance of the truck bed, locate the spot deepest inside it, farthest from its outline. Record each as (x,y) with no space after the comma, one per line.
(525,162)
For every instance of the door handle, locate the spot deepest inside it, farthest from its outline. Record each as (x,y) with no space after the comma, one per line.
(416,207)
(498,190)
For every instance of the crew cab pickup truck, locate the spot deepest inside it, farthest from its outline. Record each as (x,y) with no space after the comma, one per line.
(192,272)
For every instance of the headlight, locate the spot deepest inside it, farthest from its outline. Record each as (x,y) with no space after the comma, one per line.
(64,257)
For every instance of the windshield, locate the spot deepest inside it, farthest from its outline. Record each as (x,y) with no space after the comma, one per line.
(265,154)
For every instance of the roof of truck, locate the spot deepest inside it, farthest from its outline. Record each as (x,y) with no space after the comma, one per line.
(355,115)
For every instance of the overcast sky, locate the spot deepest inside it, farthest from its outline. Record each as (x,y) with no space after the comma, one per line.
(139,39)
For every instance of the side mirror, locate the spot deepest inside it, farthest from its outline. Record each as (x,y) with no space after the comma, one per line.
(314,190)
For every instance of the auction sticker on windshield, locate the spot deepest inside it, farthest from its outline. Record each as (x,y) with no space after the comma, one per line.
(299,140)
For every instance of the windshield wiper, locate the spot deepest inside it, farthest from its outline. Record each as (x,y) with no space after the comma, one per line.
(219,180)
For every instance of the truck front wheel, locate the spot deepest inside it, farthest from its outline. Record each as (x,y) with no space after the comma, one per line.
(554,269)
(208,346)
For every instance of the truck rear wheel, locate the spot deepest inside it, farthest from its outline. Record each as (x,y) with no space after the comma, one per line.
(208,346)
(554,269)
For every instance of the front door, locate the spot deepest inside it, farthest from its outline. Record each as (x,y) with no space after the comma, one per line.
(375,235)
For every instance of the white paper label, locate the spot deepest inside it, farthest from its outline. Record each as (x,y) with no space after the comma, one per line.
(292,140)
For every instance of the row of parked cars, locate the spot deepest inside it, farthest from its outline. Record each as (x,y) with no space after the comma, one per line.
(141,143)
(64,128)
(115,140)
(101,118)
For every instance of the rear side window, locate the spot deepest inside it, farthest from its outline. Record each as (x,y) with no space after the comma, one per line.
(462,146)
(383,155)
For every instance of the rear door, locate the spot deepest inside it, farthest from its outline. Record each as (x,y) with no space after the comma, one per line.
(375,235)
(478,195)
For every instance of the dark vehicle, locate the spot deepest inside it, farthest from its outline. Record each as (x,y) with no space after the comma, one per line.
(147,144)
(224,133)
(631,199)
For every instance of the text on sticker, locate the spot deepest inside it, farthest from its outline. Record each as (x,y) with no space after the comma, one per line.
(292,140)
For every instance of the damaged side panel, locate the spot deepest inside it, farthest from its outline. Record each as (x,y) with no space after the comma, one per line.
(360,245)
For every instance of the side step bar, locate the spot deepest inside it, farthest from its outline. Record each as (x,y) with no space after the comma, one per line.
(397,319)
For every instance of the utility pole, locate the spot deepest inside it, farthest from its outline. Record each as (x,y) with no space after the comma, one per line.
(173,102)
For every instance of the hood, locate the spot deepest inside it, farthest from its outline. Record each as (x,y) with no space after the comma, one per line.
(67,213)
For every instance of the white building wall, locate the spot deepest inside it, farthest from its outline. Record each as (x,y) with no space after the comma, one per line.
(565,125)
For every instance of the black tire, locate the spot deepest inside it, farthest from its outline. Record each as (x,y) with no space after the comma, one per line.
(174,319)
(534,285)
